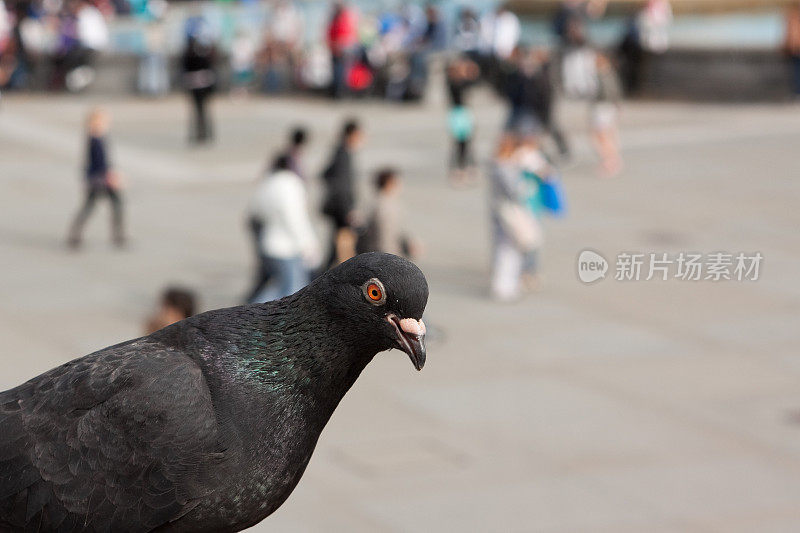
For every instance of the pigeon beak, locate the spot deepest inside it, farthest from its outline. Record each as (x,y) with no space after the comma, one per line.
(410,338)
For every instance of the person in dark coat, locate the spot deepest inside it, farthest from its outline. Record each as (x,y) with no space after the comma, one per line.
(530,93)
(340,198)
(101,181)
(199,79)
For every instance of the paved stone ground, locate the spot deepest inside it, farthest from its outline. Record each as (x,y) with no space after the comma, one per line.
(649,406)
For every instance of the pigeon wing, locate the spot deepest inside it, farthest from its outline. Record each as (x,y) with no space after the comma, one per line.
(125,439)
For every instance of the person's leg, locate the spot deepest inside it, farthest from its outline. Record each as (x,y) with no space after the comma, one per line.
(290,276)
(330,261)
(118,233)
(345,244)
(208,127)
(296,276)
(262,278)
(640,68)
(76,228)
(506,269)
(276,287)
(796,74)
(610,161)
(530,262)
(626,69)
(204,133)
(559,139)
(469,157)
(552,127)
(530,278)
(455,155)
(461,159)
(195,131)
(262,272)
(343,239)
(604,136)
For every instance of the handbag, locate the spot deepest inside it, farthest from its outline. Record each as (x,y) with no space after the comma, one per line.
(552,196)
(524,229)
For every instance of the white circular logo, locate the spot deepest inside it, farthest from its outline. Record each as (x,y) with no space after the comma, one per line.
(591,266)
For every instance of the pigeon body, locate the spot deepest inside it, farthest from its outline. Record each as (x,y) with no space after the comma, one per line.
(205,425)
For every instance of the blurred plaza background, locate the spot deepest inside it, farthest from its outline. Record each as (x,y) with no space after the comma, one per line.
(615,406)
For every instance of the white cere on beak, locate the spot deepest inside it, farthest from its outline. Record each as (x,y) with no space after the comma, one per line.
(413,327)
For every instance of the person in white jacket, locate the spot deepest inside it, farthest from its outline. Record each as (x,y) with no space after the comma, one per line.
(289,246)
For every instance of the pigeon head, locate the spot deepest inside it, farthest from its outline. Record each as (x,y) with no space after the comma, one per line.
(381,298)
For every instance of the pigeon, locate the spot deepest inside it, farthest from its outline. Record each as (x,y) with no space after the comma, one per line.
(207,424)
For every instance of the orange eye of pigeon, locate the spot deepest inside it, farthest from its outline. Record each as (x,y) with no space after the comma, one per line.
(374,292)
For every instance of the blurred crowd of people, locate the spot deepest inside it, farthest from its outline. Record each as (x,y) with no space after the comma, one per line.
(525,181)
(384,53)
(360,49)
(288,250)
(53,44)
(524,176)
(378,52)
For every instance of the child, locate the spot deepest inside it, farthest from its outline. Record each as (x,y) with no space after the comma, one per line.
(176,304)
(461,74)
(515,231)
(101,180)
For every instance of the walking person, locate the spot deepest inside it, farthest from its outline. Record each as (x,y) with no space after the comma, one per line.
(531,95)
(462,73)
(199,80)
(646,36)
(101,181)
(384,230)
(342,37)
(289,246)
(500,34)
(515,230)
(255,224)
(340,197)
